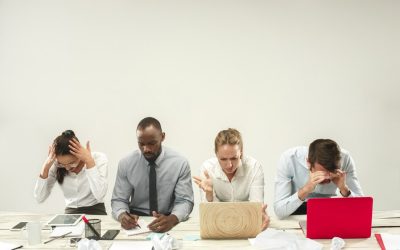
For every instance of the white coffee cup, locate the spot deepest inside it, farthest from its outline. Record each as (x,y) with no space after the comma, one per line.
(34,232)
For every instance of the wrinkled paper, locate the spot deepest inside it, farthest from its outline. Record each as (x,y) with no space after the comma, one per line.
(276,239)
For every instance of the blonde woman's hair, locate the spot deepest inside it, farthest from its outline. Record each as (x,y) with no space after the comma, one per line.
(229,136)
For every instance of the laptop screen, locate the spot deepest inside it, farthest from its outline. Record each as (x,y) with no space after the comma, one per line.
(349,217)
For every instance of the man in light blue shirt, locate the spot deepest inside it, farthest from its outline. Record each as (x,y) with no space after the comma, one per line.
(154,180)
(322,170)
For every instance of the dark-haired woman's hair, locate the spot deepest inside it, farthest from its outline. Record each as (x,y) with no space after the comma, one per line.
(61,147)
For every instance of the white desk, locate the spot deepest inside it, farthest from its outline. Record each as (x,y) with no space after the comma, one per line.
(188,228)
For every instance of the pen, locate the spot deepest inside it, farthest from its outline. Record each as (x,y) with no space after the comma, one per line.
(91,227)
(137,224)
(18,247)
(58,237)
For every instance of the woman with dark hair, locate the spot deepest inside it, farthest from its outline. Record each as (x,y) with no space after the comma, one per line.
(81,174)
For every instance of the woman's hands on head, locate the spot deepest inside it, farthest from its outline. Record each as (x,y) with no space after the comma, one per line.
(82,153)
(51,158)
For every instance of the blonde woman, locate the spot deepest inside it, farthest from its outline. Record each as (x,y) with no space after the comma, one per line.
(232,176)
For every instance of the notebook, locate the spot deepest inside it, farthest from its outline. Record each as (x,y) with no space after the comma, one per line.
(349,217)
(230,220)
(139,230)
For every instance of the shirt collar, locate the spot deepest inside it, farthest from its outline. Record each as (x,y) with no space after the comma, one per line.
(219,174)
(159,159)
(305,165)
(240,170)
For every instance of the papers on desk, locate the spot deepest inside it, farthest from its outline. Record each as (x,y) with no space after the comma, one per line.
(287,224)
(385,223)
(386,214)
(143,228)
(8,246)
(388,241)
(131,245)
(76,230)
(386,218)
(276,239)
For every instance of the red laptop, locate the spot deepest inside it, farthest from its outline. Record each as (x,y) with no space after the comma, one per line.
(349,217)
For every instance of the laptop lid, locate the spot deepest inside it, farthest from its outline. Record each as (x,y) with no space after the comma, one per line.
(230,220)
(349,217)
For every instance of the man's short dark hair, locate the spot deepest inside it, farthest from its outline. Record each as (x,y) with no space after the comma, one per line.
(147,122)
(325,152)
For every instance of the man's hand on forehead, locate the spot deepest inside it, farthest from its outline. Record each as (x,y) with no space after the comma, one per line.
(338,173)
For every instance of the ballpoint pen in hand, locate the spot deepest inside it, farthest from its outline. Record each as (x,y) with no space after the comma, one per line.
(137,224)
(58,237)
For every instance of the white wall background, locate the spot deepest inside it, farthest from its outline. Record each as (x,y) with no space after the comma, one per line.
(282,72)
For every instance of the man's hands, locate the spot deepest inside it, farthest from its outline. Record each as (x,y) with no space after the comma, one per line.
(163,223)
(83,154)
(339,178)
(205,184)
(314,179)
(319,177)
(128,221)
(265,217)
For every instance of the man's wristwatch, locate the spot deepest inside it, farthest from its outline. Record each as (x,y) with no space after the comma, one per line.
(348,193)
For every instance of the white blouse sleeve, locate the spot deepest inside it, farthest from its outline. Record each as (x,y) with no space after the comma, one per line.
(351,176)
(97,176)
(257,185)
(43,187)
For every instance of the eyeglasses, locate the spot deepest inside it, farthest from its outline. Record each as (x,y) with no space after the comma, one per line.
(66,166)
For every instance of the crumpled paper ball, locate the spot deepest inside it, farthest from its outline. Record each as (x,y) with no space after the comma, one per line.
(86,244)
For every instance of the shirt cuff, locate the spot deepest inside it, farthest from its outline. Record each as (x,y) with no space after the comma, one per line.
(119,212)
(215,199)
(180,215)
(296,201)
(93,172)
(40,184)
(41,181)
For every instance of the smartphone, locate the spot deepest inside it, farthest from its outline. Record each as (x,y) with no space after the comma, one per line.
(110,235)
(19,226)
(73,242)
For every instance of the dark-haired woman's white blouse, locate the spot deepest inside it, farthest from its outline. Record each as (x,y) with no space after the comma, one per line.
(86,188)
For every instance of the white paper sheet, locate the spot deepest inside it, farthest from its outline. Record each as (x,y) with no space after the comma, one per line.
(391,241)
(143,228)
(386,214)
(76,230)
(7,246)
(131,245)
(275,239)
